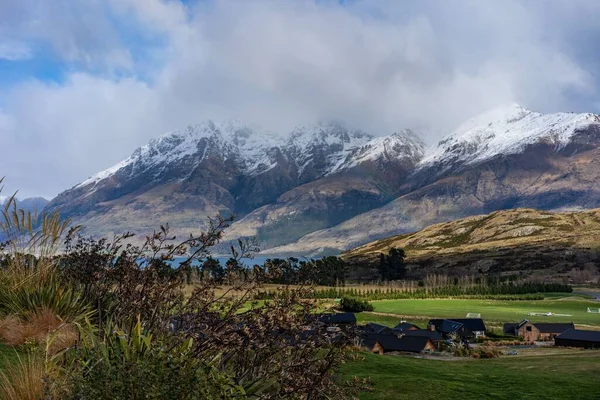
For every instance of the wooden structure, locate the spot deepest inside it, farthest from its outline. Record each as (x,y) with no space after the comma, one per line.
(537,332)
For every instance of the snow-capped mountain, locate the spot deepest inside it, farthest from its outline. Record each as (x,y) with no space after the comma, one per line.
(504,131)
(232,168)
(506,158)
(325,148)
(324,187)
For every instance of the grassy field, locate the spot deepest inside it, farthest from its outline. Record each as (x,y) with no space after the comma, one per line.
(567,375)
(491,310)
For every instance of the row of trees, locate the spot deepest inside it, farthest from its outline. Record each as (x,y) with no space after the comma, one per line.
(327,271)
(398,294)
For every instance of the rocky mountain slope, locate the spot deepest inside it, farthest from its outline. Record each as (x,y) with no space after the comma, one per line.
(326,188)
(508,158)
(521,241)
(281,186)
(32,204)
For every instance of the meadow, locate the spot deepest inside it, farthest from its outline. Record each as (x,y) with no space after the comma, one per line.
(543,373)
(494,311)
(565,374)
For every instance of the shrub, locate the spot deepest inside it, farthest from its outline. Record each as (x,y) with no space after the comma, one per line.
(137,365)
(51,294)
(487,351)
(354,304)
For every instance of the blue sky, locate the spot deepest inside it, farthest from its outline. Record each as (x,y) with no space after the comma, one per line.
(83,83)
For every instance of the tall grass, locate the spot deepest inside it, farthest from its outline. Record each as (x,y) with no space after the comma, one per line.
(35,306)
(24,380)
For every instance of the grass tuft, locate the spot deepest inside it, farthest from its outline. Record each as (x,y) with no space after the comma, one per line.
(24,380)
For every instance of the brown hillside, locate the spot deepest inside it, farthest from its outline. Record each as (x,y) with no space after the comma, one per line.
(523,240)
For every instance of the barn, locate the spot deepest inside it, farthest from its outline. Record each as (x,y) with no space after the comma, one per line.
(578,338)
(539,331)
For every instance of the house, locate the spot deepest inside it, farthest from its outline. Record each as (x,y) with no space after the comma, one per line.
(434,336)
(405,326)
(409,344)
(539,331)
(448,328)
(578,338)
(376,328)
(369,340)
(475,325)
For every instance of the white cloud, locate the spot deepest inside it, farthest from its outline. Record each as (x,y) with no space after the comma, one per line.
(14,51)
(379,65)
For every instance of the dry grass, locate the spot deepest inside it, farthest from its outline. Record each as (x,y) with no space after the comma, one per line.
(24,380)
(42,327)
(500,229)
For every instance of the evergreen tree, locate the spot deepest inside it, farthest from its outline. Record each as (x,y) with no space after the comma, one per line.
(212,268)
(391,266)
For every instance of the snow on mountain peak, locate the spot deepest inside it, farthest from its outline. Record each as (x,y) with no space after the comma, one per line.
(329,145)
(505,130)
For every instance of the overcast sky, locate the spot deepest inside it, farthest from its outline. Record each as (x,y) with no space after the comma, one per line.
(84,83)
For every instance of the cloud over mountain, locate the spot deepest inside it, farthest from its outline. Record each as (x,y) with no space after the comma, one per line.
(104,76)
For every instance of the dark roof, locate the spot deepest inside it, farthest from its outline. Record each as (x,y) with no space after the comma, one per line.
(578,334)
(375,328)
(403,326)
(414,344)
(543,327)
(339,318)
(510,327)
(445,325)
(474,324)
(434,336)
(368,340)
(553,327)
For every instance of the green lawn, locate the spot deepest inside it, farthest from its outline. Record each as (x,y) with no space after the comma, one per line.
(387,320)
(493,310)
(567,376)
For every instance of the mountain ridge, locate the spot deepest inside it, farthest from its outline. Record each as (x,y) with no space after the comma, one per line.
(324,188)
(228,168)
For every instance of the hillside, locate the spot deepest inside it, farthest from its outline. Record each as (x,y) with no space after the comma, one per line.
(522,240)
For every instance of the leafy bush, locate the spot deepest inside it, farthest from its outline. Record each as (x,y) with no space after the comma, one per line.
(137,365)
(25,296)
(354,304)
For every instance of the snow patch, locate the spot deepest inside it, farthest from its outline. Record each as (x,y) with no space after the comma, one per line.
(507,130)
(257,152)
